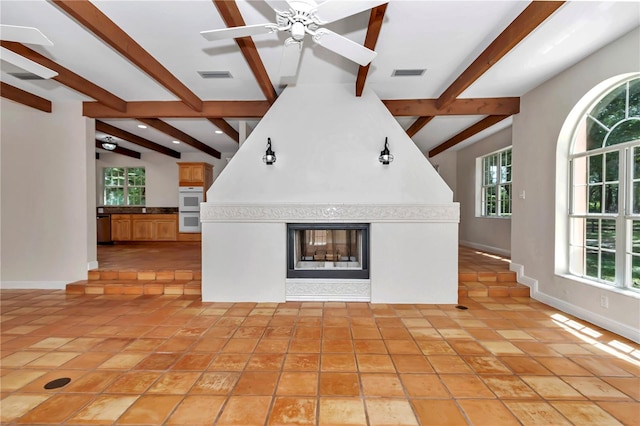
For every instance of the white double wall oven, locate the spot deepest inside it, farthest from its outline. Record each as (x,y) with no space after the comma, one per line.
(189,208)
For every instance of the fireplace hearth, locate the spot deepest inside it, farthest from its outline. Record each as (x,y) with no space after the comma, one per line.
(328,250)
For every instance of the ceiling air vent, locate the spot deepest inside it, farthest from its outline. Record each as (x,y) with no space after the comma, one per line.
(26,76)
(215,74)
(408,72)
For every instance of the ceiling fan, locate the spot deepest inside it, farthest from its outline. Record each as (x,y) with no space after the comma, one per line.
(301,17)
(26,35)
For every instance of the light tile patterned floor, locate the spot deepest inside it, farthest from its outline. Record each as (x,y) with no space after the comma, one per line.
(174,360)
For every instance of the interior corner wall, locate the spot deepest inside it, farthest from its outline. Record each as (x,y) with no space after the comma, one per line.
(161,173)
(446,165)
(44,195)
(492,234)
(536,128)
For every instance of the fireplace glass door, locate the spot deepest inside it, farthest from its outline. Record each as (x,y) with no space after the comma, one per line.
(328,251)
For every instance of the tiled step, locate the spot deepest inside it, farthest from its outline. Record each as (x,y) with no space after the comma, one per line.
(135,287)
(149,275)
(492,289)
(487,276)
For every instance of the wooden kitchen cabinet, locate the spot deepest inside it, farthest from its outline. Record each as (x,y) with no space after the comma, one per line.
(144,227)
(121,227)
(195,174)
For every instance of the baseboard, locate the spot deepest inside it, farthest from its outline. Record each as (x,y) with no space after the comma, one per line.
(483,247)
(33,285)
(92,265)
(575,310)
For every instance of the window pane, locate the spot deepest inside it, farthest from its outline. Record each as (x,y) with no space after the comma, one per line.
(592,232)
(612,108)
(636,198)
(608,266)
(592,263)
(611,198)
(612,165)
(136,176)
(635,237)
(608,234)
(635,272)
(634,98)
(136,196)
(505,199)
(595,134)
(595,168)
(114,196)
(595,199)
(636,163)
(625,132)
(490,201)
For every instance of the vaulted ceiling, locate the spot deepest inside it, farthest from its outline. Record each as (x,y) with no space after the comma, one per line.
(139,62)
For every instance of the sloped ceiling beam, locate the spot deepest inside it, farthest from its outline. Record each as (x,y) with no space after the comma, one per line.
(231,15)
(179,135)
(135,139)
(419,124)
(93,19)
(120,150)
(530,18)
(375,24)
(175,109)
(10,92)
(467,133)
(69,78)
(428,107)
(226,128)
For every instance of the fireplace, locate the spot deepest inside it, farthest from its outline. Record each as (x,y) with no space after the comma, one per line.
(328,250)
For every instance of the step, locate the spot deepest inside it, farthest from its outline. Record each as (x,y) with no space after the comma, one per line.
(135,287)
(488,276)
(147,275)
(492,289)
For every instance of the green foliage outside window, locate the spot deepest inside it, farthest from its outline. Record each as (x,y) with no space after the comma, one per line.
(124,186)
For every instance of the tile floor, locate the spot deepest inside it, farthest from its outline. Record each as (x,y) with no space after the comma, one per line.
(174,360)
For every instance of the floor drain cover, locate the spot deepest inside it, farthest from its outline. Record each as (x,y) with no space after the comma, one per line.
(461,307)
(57,383)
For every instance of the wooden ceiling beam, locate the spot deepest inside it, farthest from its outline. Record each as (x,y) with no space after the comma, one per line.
(120,150)
(233,18)
(69,78)
(530,18)
(467,133)
(373,31)
(93,19)
(226,128)
(179,135)
(20,96)
(428,107)
(135,139)
(176,109)
(418,125)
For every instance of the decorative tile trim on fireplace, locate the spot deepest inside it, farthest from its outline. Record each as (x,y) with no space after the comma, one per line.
(291,213)
(328,290)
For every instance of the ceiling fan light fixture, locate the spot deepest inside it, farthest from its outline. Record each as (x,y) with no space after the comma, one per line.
(408,72)
(109,144)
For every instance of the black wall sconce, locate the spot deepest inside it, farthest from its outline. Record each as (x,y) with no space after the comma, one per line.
(385,155)
(269,156)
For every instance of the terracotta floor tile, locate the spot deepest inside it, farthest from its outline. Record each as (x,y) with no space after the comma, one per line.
(337,345)
(391,412)
(584,413)
(105,409)
(552,387)
(265,362)
(385,385)
(302,362)
(365,332)
(17,405)
(38,384)
(524,365)
(19,378)
(196,410)
(627,413)
(158,361)
(293,411)
(595,388)
(628,385)
(93,382)
(194,362)
(341,412)
(371,363)
(229,362)
(298,383)
(370,346)
(55,409)
(487,365)
(215,383)
(424,386)
(245,410)
(534,413)
(123,361)
(509,387)
(466,386)
(449,364)
(438,412)
(502,348)
(278,346)
(402,347)
(150,409)
(339,384)
(464,347)
(133,382)
(88,360)
(304,346)
(436,347)
(411,364)
(487,412)
(338,362)
(256,383)
(175,382)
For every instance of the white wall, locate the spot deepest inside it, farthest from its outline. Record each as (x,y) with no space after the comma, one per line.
(161,173)
(446,165)
(535,160)
(45,224)
(491,234)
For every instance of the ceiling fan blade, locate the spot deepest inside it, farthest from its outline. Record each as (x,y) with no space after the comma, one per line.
(290,58)
(238,32)
(278,5)
(26,64)
(343,46)
(334,10)
(28,35)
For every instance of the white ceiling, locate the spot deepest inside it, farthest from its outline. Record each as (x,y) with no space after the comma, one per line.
(444,37)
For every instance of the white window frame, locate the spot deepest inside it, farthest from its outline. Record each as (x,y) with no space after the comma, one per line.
(125,186)
(482,186)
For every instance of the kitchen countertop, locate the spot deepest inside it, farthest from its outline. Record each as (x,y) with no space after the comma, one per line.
(137,210)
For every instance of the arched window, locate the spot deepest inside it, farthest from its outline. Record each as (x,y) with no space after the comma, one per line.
(604,214)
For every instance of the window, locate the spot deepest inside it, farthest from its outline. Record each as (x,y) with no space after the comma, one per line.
(495,193)
(604,214)
(124,186)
